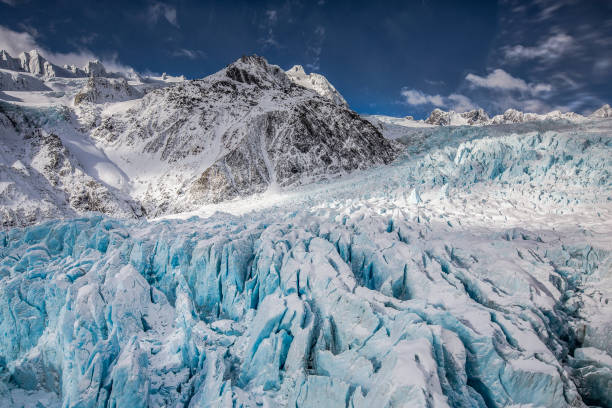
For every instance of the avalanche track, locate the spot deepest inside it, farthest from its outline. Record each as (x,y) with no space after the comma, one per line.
(474,272)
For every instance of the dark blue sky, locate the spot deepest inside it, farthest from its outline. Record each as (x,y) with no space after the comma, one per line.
(395,57)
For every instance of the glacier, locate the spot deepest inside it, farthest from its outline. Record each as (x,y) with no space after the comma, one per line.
(475,271)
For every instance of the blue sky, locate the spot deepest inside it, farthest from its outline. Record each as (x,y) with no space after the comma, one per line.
(395,57)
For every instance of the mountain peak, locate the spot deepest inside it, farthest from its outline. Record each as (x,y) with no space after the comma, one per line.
(604,112)
(255,70)
(297,70)
(317,83)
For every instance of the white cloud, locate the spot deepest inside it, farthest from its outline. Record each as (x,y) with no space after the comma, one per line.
(456,102)
(549,49)
(416,97)
(461,103)
(315,48)
(15,43)
(501,80)
(272,16)
(269,39)
(498,79)
(157,10)
(187,53)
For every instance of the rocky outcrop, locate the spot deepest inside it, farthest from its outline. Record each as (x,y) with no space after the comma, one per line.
(101,90)
(8,62)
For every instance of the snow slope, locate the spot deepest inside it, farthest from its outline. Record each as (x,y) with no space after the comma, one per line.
(475,272)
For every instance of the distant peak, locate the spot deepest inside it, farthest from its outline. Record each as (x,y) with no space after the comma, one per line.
(317,83)
(297,69)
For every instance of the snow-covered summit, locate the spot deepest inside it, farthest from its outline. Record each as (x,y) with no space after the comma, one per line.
(255,70)
(604,112)
(442,118)
(317,83)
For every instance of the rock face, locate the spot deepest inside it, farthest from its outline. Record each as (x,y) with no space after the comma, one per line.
(241,131)
(238,132)
(8,62)
(317,83)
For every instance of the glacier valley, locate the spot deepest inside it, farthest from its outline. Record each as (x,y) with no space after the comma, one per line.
(473,271)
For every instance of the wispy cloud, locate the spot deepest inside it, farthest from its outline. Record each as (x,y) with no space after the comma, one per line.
(187,53)
(550,49)
(434,82)
(17,42)
(158,10)
(268,25)
(315,48)
(11,3)
(416,97)
(454,101)
(501,80)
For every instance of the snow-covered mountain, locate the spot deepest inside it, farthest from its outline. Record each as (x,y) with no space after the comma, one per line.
(239,131)
(171,145)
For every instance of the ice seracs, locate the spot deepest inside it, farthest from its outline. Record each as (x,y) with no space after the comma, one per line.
(345,293)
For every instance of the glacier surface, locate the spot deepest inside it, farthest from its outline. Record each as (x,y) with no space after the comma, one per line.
(474,272)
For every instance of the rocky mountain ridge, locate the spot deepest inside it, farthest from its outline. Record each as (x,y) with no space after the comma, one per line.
(34,63)
(479,117)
